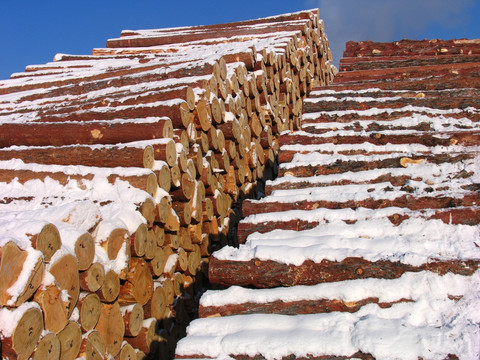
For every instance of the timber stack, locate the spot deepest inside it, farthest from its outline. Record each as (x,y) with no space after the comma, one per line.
(121,171)
(366,245)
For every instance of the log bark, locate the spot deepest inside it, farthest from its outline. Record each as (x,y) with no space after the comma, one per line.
(27,330)
(12,266)
(85,132)
(99,156)
(266,274)
(70,340)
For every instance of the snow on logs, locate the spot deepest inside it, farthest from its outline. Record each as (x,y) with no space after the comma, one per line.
(370,220)
(121,172)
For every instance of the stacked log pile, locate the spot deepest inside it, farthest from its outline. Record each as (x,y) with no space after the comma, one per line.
(366,245)
(121,172)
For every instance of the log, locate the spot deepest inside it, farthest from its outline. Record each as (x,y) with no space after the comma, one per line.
(110,288)
(157,264)
(70,340)
(85,132)
(65,271)
(266,274)
(92,279)
(48,348)
(48,241)
(141,154)
(92,347)
(53,307)
(147,340)
(139,240)
(111,328)
(157,306)
(138,287)
(133,316)
(151,245)
(14,265)
(89,310)
(127,352)
(26,326)
(84,249)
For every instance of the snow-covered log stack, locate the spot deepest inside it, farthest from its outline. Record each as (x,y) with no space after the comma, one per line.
(122,170)
(367,244)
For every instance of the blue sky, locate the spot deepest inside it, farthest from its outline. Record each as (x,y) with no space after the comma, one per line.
(34,31)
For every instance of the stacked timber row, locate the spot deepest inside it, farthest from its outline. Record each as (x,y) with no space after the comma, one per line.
(367,244)
(122,170)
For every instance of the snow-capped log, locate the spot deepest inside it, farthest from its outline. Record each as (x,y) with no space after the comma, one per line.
(467,137)
(16,264)
(70,340)
(22,330)
(337,166)
(133,317)
(379,62)
(111,327)
(35,133)
(268,273)
(412,47)
(135,154)
(443,72)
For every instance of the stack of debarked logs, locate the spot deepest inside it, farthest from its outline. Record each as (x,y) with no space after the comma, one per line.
(203,136)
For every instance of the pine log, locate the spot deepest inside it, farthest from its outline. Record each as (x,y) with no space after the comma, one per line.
(48,241)
(138,241)
(157,305)
(316,306)
(138,287)
(147,340)
(133,317)
(84,249)
(157,264)
(85,132)
(266,274)
(110,288)
(402,201)
(92,279)
(111,327)
(27,330)
(70,340)
(115,241)
(65,271)
(53,307)
(151,245)
(48,348)
(92,347)
(13,265)
(89,310)
(98,155)
(127,352)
